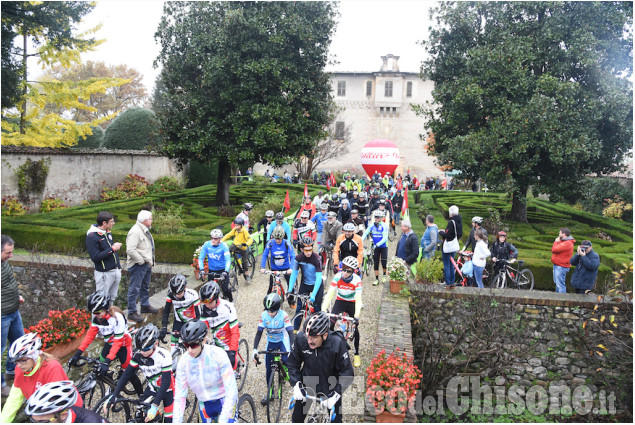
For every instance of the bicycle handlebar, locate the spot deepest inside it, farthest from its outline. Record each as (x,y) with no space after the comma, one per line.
(340,316)
(83,360)
(276,272)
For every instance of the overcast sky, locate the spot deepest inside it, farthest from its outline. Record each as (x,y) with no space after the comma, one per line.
(366,31)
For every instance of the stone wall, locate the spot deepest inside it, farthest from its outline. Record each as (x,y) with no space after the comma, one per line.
(76,175)
(558,342)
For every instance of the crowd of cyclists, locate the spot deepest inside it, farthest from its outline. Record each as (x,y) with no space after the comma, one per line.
(205,322)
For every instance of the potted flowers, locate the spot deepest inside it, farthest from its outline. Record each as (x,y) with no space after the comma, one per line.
(62,331)
(391,385)
(195,260)
(397,274)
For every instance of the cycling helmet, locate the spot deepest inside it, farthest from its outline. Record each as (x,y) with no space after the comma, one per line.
(278,233)
(306,242)
(248,206)
(279,216)
(467,253)
(331,214)
(324,206)
(239,221)
(305,214)
(354,211)
(382,202)
(209,292)
(97,302)
(382,197)
(216,233)
(51,398)
(348,227)
(272,302)
(376,192)
(350,262)
(194,330)
(345,201)
(146,336)
(317,324)
(378,214)
(362,195)
(355,193)
(342,195)
(502,233)
(326,197)
(477,219)
(177,283)
(269,213)
(24,346)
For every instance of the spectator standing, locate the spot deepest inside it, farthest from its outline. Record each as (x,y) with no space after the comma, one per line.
(453,232)
(561,252)
(471,242)
(586,262)
(103,251)
(397,204)
(140,251)
(429,239)
(481,252)
(318,199)
(408,245)
(12,327)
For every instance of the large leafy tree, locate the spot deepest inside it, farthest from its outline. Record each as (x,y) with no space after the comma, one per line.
(530,94)
(244,81)
(113,100)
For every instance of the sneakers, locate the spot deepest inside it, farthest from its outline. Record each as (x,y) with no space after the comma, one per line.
(6,390)
(376,282)
(383,279)
(247,278)
(149,309)
(357,361)
(264,401)
(136,317)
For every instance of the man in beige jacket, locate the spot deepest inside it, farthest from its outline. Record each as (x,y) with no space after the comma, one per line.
(140,251)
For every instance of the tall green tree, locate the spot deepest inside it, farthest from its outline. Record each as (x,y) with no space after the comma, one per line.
(244,81)
(530,94)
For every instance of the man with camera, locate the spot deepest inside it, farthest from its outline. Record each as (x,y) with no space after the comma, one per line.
(586,263)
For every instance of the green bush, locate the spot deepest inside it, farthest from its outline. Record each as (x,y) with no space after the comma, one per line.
(52,204)
(202,174)
(11,207)
(93,141)
(168,221)
(165,184)
(430,270)
(593,192)
(134,129)
(133,186)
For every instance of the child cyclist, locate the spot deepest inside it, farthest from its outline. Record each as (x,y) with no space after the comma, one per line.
(205,370)
(184,301)
(218,261)
(220,317)
(311,282)
(281,253)
(379,233)
(348,287)
(279,333)
(242,242)
(156,364)
(108,321)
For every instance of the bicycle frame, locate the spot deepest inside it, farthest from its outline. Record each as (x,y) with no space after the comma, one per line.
(277,282)
(346,323)
(317,412)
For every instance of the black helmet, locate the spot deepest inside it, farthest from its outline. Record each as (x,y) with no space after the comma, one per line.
(178,284)
(194,330)
(98,302)
(318,324)
(272,302)
(279,216)
(146,336)
(248,206)
(239,221)
(306,241)
(209,292)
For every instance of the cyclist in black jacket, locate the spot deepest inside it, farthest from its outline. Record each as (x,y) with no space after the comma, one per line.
(319,360)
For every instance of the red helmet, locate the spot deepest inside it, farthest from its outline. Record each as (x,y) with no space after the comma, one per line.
(502,233)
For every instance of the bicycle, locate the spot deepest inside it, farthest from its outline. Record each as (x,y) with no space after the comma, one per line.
(327,262)
(392,231)
(232,286)
(462,280)
(520,279)
(346,324)
(246,410)
(307,307)
(236,266)
(367,263)
(277,287)
(317,412)
(279,375)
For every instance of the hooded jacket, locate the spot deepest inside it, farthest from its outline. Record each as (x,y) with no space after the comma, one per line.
(99,246)
(562,250)
(586,270)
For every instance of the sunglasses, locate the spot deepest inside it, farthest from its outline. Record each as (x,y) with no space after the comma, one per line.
(147,348)
(192,345)
(208,301)
(97,313)
(308,250)
(55,418)
(349,271)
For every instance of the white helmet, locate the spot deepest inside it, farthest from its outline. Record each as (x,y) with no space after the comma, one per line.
(24,346)
(378,214)
(477,219)
(51,398)
(345,201)
(305,214)
(216,233)
(350,262)
(269,213)
(348,227)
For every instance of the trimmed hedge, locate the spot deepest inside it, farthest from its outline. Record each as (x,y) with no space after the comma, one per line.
(65,230)
(533,240)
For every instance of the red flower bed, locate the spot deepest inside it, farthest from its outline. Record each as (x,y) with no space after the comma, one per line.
(61,326)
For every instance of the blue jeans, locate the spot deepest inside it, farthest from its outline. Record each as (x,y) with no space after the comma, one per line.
(478,275)
(12,329)
(139,286)
(559,276)
(448,268)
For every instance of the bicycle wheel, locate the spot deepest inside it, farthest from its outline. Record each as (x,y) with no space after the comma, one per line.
(274,391)
(233,281)
(327,271)
(251,264)
(118,412)
(129,388)
(246,410)
(499,281)
(242,363)
(526,280)
(91,390)
(190,415)
(486,282)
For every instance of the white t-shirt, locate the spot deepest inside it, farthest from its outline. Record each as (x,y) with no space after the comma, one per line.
(481,252)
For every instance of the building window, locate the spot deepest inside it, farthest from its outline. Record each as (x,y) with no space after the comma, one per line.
(409,89)
(339,129)
(341,88)
(388,89)
(369,88)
